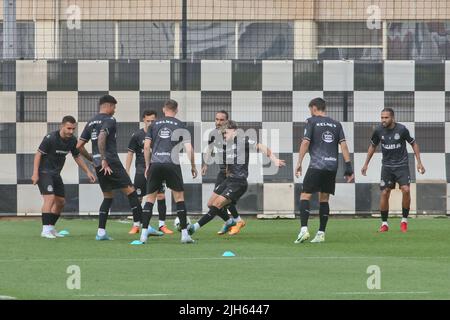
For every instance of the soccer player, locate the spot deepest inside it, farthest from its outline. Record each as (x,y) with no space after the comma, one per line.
(136,146)
(102,131)
(161,145)
(48,163)
(216,145)
(395,167)
(322,136)
(234,186)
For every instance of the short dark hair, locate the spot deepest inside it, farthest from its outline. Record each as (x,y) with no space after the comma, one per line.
(390,110)
(224,112)
(171,104)
(107,99)
(69,119)
(319,103)
(231,124)
(148,113)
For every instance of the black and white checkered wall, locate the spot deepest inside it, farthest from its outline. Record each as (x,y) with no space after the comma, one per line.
(35,95)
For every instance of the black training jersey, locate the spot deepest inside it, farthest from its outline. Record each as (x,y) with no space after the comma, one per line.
(216,139)
(136,146)
(102,122)
(237,155)
(54,150)
(324,134)
(393,144)
(165,134)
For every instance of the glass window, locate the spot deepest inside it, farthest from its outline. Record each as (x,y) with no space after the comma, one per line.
(266,40)
(411,40)
(94,40)
(350,53)
(146,40)
(25,39)
(211,40)
(348,34)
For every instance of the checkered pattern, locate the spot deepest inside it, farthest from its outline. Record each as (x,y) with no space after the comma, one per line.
(268,96)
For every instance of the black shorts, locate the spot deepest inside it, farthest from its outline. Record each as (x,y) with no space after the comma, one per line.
(221,176)
(51,184)
(118,179)
(317,180)
(164,172)
(232,189)
(391,176)
(140,183)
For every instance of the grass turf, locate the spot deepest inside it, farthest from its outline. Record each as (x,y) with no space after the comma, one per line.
(268,265)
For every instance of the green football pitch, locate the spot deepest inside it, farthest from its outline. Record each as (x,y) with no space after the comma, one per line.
(267,265)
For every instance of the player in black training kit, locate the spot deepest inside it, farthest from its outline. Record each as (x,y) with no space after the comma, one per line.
(236,158)
(216,145)
(163,143)
(136,146)
(321,138)
(102,131)
(48,163)
(395,167)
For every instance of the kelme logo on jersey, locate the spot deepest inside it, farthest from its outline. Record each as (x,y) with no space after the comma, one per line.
(328,137)
(165,133)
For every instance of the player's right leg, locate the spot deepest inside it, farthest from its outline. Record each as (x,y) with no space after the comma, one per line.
(384,209)
(387,183)
(57,208)
(140,184)
(106,186)
(103,216)
(216,204)
(311,184)
(49,200)
(303,235)
(162,211)
(46,188)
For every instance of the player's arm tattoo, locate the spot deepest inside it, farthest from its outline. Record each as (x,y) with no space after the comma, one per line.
(81,164)
(85,154)
(102,144)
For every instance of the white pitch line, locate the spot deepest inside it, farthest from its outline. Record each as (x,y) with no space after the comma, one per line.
(7,298)
(125,295)
(214,258)
(384,292)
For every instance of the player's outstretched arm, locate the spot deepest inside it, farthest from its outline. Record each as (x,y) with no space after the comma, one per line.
(304,147)
(36,163)
(370,153)
(85,168)
(420,167)
(269,154)
(191,155)
(349,174)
